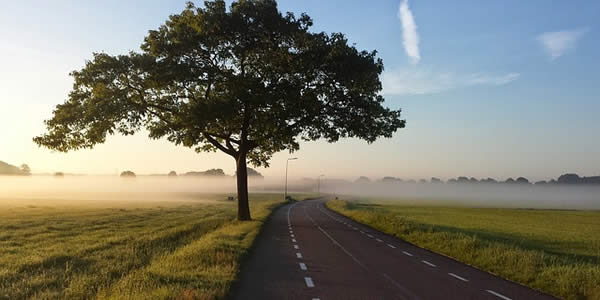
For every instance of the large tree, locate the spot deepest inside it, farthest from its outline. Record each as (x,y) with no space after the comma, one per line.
(248,81)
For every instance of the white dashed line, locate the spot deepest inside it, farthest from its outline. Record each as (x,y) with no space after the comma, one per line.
(291,231)
(309,282)
(362,232)
(391,246)
(291,235)
(299,255)
(379,240)
(296,247)
(406,253)
(293,240)
(303,266)
(458,277)
(428,263)
(316,298)
(369,235)
(498,295)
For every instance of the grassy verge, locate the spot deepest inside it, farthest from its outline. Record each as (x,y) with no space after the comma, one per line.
(557,252)
(188,250)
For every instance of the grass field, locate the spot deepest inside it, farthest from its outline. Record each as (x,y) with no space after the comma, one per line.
(555,251)
(117,250)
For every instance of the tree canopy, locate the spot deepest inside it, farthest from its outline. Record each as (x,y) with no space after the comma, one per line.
(248,81)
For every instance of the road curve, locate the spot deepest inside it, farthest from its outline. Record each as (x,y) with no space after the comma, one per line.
(307,251)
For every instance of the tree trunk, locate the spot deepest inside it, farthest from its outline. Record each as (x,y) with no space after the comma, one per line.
(242,188)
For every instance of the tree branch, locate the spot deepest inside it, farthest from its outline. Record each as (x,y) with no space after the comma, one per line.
(219,145)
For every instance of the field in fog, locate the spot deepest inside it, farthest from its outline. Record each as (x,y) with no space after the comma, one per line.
(477,195)
(556,251)
(130,242)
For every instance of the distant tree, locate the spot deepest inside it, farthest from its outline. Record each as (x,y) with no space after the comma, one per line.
(462,179)
(172,174)
(569,179)
(254,173)
(510,181)
(541,182)
(8,169)
(210,172)
(452,180)
(522,180)
(25,169)
(59,174)
(128,174)
(489,180)
(411,181)
(473,180)
(389,179)
(423,181)
(363,179)
(435,180)
(248,81)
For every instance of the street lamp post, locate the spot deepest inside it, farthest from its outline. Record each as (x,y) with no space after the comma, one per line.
(286,176)
(319,184)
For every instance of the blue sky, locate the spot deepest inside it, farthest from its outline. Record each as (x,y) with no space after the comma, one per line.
(492,88)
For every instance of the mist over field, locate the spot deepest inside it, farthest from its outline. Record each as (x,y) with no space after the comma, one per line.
(476,195)
(17,190)
(142,189)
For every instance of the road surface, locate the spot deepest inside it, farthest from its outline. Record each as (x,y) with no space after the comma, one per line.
(307,251)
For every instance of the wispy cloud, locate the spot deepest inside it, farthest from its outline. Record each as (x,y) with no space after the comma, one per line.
(409,32)
(557,43)
(419,81)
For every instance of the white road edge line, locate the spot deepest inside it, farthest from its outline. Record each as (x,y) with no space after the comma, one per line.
(379,240)
(309,282)
(293,240)
(498,295)
(407,253)
(296,247)
(391,246)
(458,277)
(428,263)
(299,255)
(303,266)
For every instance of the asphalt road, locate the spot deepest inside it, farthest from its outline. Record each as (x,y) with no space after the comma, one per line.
(307,251)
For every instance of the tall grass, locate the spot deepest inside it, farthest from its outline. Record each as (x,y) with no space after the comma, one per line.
(183,250)
(557,252)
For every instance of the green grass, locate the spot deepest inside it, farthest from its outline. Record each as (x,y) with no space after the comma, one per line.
(114,250)
(555,251)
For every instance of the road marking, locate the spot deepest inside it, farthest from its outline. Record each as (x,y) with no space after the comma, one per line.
(407,253)
(299,255)
(293,240)
(309,282)
(379,240)
(458,277)
(498,295)
(362,232)
(369,235)
(391,246)
(336,242)
(296,247)
(291,231)
(428,263)
(303,266)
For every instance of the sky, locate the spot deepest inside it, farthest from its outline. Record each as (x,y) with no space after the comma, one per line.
(488,88)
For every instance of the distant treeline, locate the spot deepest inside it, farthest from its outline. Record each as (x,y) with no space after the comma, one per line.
(8,169)
(563,179)
(210,173)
